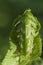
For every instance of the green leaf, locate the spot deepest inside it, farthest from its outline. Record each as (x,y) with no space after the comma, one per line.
(25,39)
(11,57)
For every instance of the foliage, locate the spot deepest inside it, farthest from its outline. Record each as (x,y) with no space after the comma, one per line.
(24,39)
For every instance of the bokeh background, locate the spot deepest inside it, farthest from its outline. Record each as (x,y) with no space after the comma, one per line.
(9,10)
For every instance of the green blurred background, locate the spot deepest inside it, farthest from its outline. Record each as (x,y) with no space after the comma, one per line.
(9,10)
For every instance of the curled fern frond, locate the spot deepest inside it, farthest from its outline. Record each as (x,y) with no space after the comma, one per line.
(25,35)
